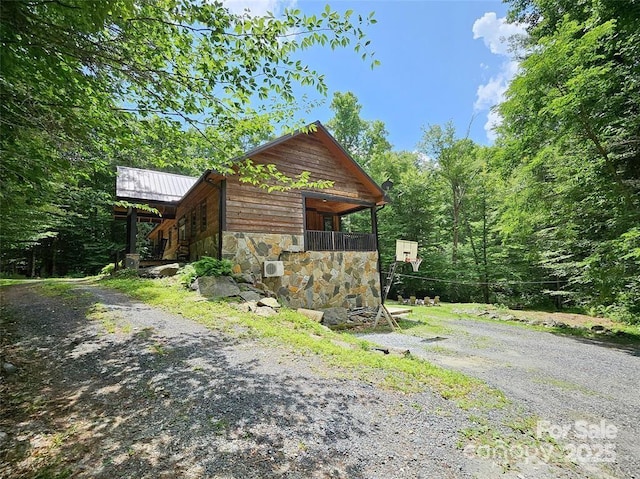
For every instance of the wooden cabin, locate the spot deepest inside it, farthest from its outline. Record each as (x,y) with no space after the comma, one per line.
(300,243)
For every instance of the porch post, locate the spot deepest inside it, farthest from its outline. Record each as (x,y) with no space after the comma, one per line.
(132,230)
(304,223)
(374,224)
(222,215)
(374,231)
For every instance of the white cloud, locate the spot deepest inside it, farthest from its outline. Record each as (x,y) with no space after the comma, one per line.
(259,8)
(493,121)
(496,33)
(492,92)
(498,36)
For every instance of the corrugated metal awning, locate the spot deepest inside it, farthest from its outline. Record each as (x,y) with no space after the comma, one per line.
(139,184)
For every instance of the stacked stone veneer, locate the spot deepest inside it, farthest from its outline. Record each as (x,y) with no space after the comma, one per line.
(249,251)
(205,247)
(312,279)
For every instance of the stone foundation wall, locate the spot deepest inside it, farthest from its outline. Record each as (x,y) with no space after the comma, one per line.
(205,247)
(250,250)
(312,279)
(324,279)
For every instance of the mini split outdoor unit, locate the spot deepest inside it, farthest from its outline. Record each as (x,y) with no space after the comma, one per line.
(273,269)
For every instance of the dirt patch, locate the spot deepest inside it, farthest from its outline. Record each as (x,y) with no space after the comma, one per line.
(571,319)
(549,319)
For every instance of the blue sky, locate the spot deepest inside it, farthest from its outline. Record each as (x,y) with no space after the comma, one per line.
(432,68)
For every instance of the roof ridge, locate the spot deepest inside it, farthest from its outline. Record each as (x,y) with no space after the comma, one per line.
(158,171)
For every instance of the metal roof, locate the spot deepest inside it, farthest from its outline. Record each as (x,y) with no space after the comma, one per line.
(138,184)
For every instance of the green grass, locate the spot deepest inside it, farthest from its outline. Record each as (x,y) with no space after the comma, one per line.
(565,385)
(110,320)
(350,356)
(60,288)
(11,282)
(429,321)
(337,349)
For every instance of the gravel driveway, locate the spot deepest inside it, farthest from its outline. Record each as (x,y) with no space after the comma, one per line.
(567,381)
(141,393)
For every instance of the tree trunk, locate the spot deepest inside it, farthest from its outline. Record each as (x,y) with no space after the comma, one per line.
(33,262)
(456,227)
(485,282)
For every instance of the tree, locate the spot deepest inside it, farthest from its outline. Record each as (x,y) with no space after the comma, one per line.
(364,140)
(457,167)
(85,82)
(571,123)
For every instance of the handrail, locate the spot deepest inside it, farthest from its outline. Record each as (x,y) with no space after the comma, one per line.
(339,241)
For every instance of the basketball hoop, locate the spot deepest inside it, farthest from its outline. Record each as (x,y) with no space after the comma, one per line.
(415,264)
(406,250)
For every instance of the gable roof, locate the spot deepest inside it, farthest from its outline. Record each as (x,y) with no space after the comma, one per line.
(139,184)
(319,131)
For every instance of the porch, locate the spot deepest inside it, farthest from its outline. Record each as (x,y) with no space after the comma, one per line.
(339,241)
(334,223)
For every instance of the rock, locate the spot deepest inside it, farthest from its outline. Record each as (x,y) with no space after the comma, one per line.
(9,368)
(248,287)
(249,306)
(247,278)
(560,324)
(335,316)
(3,437)
(194,285)
(250,296)
(265,311)
(217,287)
(597,328)
(242,307)
(160,271)
(264,288)
(270,302)
(312,314)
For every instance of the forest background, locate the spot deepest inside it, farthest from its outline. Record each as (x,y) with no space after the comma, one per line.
(547,216)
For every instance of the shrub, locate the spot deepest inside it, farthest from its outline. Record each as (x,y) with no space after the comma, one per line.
(126,273)
(5,275)
(207,266)
(108,269)
(187,275)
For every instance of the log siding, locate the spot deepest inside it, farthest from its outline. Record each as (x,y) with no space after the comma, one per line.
(252,209)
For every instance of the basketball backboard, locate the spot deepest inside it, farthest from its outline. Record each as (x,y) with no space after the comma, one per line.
(406,250)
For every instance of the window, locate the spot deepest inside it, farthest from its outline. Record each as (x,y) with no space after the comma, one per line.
(203,216)
(182,229)
(194,223)
(327,223)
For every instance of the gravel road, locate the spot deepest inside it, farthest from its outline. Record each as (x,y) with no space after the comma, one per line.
(137,392)
(567,381)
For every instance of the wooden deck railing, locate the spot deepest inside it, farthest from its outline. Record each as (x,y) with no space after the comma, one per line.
(339,241)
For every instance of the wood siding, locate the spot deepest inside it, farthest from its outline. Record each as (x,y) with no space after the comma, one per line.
(252,209)
(204,192)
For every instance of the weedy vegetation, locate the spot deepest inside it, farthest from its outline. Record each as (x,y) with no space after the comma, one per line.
(341,350)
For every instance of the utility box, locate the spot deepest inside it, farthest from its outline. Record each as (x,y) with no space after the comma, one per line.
(273,269)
